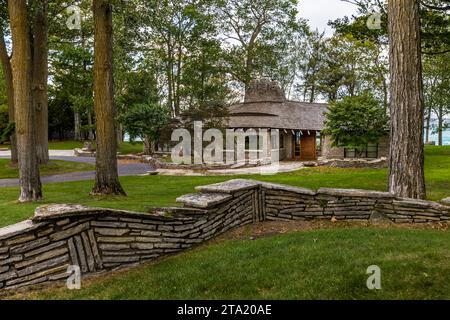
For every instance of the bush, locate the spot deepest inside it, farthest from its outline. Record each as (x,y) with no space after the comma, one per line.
(356,121)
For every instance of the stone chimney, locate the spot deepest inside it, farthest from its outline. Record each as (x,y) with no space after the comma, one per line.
(264,90)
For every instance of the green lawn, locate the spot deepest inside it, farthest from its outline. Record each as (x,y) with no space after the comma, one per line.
(326,264)
(64,145)
(124,148)
(148,191)
(319,264)
(53,167)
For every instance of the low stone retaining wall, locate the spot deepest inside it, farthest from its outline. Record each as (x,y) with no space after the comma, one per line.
(354,163)
(160,164)
(96,239)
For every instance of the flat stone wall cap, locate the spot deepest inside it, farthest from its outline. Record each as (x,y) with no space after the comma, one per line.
(181,211)
(282,187)
(59,211)
(18,228)
(230,186)
(55,211)
(355,193)
(418,203)
(446,201)
(203,200)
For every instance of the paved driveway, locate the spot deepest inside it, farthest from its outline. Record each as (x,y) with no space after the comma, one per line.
(125,168)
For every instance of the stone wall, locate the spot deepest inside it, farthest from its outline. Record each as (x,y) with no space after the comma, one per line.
(96,239)
(329,152)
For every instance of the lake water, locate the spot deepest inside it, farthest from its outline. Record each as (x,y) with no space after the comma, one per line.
(445,138)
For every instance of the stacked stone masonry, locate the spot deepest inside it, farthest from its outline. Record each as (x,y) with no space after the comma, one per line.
(40,250)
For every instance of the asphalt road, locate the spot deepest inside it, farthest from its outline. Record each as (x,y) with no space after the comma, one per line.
(125,168)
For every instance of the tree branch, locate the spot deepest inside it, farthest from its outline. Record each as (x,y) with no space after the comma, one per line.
(433,7)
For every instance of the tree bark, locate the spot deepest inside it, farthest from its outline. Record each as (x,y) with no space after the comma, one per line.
(77,126)
(427,126)
(440,124)
(7,73)
(40,76)
(30,183)
(90,132)
(406,170)
(106,177)
(146,149)
(119,133)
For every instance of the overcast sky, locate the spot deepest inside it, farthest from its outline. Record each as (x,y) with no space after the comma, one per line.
(318,12)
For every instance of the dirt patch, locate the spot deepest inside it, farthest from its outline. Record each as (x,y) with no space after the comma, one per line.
(270,228)
(266,229)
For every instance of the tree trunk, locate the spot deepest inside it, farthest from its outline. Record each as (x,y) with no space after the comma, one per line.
(146,146)
(30,183)
(406,172)
(427,127)
(106,176)
(313,93)
(40,75)
(119,133)
(91,132)
(385,94)
(440,124)
(7,73)
(77,126)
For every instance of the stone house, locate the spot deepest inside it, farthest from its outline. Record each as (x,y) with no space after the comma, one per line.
(299,123)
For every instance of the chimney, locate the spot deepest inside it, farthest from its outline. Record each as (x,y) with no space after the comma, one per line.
(264,90)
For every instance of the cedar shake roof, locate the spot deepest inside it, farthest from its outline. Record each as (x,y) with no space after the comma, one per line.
(266,107)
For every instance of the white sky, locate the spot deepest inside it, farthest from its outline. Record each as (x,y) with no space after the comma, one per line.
(319,12)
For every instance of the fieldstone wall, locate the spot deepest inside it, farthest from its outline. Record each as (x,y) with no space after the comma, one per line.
(354,163)
(329,152)
(97,239)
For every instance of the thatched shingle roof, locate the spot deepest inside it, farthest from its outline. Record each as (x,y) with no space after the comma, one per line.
(265,106)
(278,115)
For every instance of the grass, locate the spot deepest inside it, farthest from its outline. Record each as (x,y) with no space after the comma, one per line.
(318,264)
(124,148)
(53,167)
(149,191)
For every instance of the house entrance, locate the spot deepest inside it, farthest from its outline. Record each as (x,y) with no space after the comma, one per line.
(304,146)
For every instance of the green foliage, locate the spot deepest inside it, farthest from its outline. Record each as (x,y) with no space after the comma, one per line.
(7,132)
(356,121)
(436,76)
(261,35)
(3,105)
(145,120)
(434,23)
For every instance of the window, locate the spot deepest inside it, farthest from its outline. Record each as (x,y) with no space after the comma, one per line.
(369,151)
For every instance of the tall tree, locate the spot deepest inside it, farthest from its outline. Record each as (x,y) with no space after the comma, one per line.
(5,60)
(406,163)
(106,176)
(253,28)
(40,76)
(30,183)
(436,76)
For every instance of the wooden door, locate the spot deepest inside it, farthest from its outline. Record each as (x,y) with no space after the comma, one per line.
(308,146)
